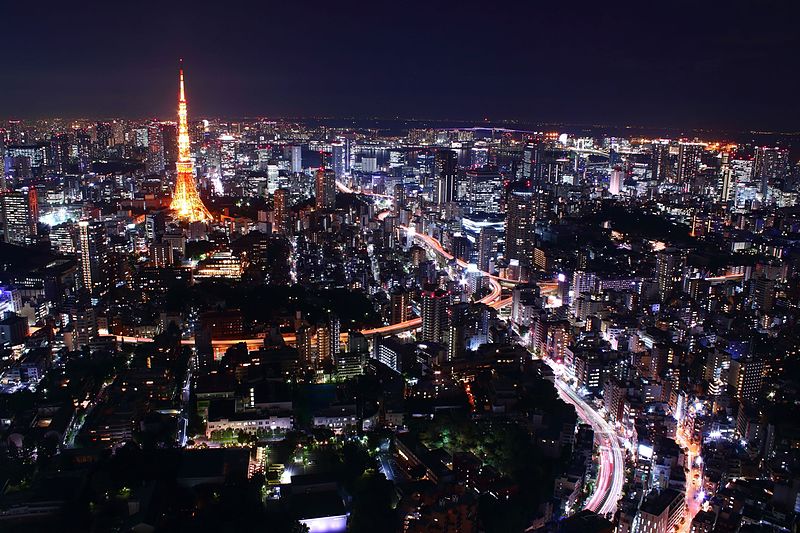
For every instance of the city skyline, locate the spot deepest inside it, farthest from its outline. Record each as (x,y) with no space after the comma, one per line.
(577,320)
(618,65)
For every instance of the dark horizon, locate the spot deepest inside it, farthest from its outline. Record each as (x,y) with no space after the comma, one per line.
(687,67)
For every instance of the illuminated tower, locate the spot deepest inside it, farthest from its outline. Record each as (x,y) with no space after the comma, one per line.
(186,203)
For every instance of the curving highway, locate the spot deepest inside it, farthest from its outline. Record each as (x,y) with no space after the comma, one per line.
(611,471)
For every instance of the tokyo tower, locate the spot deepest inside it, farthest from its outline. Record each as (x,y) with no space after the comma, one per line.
(186,203)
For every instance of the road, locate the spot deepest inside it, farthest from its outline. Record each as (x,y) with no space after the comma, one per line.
(694,486)
(611,471)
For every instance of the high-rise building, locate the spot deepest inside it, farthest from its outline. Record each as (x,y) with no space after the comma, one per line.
(531,155)
(670,263)
(689,155)
(615,180)
(726,178)
(281,205)
(520,219)
(227,155)
(93,256)
(659,160)
(445,170)
(484,189)
(169,136)
(435,303)
(305,347)
(186,202)
(456,330)
(297,159)
(764,293)
(487,245)
(399,197)
(769,164)
(155,150)
(19,214)
(339,163)
(325,191)
(747,378)
(400,303)
(328,340)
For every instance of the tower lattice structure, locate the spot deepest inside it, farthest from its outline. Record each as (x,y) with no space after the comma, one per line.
(186,202)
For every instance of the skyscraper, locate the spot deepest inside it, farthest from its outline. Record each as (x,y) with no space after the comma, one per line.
(769,164)
(93,256)
(281,205)
(727,182)
(615,181)
(399,197)
(747,378)
(339,155)
(155,150)
(186,201)
(19,214)
(487,242)
(688,163)
(400,303)
(659,160)
(520,218)
(445,169)
(484,186)
(434,314)
(669,271)
(297,159)
(325,192)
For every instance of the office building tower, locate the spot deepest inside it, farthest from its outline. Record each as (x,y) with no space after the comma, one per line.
(583,282)
(161,254)
(154,163)
(456,330)
(282,210)
(746,376)
(328,340)
(659,161)
(399,196)
(764,293)
(670,264)
(305,346)
(93,256)
(339,163)
(369,164)
(400,306)
(531,156)
(59,152)
(155,224)
(769,164)
(227,155)
(520,220)
(19,214)
(445,172)
(484,189)
(297,159)
(689,155)
(727,180)
(169,136)
(435,303)
(105,137)
(325,191)
(487,246)
(615,180)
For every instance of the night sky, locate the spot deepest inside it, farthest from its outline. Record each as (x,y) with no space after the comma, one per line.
(730,65)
